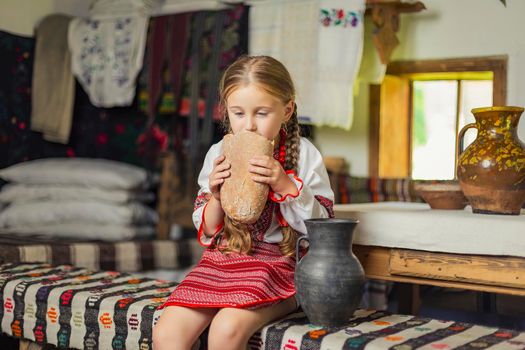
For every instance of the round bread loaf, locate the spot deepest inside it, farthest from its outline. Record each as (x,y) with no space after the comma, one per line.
(243,199)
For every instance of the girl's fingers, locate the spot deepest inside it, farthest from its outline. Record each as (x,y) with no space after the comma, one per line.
(216,183)
(222,175)
(223,166)
(264,161)
(219,159)
(263,179)
(260,171)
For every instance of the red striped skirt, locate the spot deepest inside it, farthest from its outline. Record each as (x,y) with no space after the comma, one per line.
(264,278)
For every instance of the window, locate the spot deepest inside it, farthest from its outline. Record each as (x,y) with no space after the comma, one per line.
(417,111)
(440,108)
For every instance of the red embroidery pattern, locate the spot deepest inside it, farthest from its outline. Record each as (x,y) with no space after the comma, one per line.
(259,228)
(327,203)
(201,199)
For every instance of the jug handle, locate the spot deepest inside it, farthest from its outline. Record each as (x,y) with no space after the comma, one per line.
(459,143)
(298,246)
(461,136)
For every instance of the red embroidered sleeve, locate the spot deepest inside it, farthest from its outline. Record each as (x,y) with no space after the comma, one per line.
(200,231)
(201,199)
(327,203)
(273,196)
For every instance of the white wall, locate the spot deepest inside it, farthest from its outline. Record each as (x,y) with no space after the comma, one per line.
(447,29)
(21,16)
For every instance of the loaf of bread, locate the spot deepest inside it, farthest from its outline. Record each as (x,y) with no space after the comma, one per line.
(243,199)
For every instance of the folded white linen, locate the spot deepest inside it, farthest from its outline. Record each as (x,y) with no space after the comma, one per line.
(22,193)
(83,231)
(88,172)
(90,212)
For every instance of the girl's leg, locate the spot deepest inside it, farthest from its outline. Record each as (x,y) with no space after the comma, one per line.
(232,328)
(179,327)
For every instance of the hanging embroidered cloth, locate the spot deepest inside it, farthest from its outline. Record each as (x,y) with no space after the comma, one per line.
(108,49)
(320,42)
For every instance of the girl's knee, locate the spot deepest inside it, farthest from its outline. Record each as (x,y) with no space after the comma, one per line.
(162,335)
(168,336)
(227,331)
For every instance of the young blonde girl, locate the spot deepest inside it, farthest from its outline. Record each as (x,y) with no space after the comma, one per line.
(245,277)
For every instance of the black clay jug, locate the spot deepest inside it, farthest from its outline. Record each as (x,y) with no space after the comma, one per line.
(329,279)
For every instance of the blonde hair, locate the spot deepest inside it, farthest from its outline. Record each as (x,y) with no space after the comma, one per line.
(271,76)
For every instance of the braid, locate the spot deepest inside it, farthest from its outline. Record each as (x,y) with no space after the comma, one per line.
(293,137)
(293,140)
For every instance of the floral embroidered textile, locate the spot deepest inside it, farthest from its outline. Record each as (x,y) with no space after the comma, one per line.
(339,17)
(107,55)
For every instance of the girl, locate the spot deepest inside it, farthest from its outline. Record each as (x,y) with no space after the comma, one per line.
(245,277)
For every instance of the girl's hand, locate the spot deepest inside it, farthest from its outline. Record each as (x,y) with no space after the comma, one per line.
(269,171)
(218,174)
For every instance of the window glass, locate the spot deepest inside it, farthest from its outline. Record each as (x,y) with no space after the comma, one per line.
(474,94)
(434,129)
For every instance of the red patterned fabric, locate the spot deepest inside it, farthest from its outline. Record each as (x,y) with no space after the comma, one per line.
(327,203)
(201,199)
(259,228)
(264,278)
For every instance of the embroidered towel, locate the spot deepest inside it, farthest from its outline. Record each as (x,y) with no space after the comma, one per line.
(53,90)
(108,50)
(320,42)
(340,47)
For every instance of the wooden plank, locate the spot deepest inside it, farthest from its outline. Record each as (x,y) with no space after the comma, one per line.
(499,89)
(394,137)
(376,262)
(464,64)
(492,270)
(373,129)
(448,284)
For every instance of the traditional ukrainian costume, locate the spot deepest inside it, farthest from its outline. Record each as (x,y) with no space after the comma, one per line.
(264,277)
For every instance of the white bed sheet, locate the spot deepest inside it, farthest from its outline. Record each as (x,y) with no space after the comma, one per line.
(416,226)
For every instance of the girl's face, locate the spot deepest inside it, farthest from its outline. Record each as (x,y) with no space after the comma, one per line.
(251,108)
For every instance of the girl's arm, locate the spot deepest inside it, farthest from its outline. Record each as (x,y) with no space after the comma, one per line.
(213,217)
(208,214)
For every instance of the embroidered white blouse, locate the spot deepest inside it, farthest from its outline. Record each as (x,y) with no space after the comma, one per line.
(314,199)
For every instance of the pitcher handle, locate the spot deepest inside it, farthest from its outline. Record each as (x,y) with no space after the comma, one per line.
(461,137)
(460,141)
(298,246)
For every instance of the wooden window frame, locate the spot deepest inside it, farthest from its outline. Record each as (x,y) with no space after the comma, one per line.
(495,64)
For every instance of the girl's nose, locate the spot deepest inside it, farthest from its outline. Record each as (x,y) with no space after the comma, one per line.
(250,124)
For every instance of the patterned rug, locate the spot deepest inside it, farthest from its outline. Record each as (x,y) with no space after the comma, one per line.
(77,308)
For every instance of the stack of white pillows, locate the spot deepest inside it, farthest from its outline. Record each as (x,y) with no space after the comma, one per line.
(77,198)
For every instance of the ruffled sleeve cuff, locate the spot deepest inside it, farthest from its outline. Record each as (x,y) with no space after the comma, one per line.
(290,196)
(204,240)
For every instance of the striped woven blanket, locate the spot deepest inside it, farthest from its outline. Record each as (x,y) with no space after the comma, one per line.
(123,256)
(76,308)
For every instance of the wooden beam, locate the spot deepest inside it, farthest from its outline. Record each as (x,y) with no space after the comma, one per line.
(376,263)
(385,16)
(373,129)
(492,270)
(464,64)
